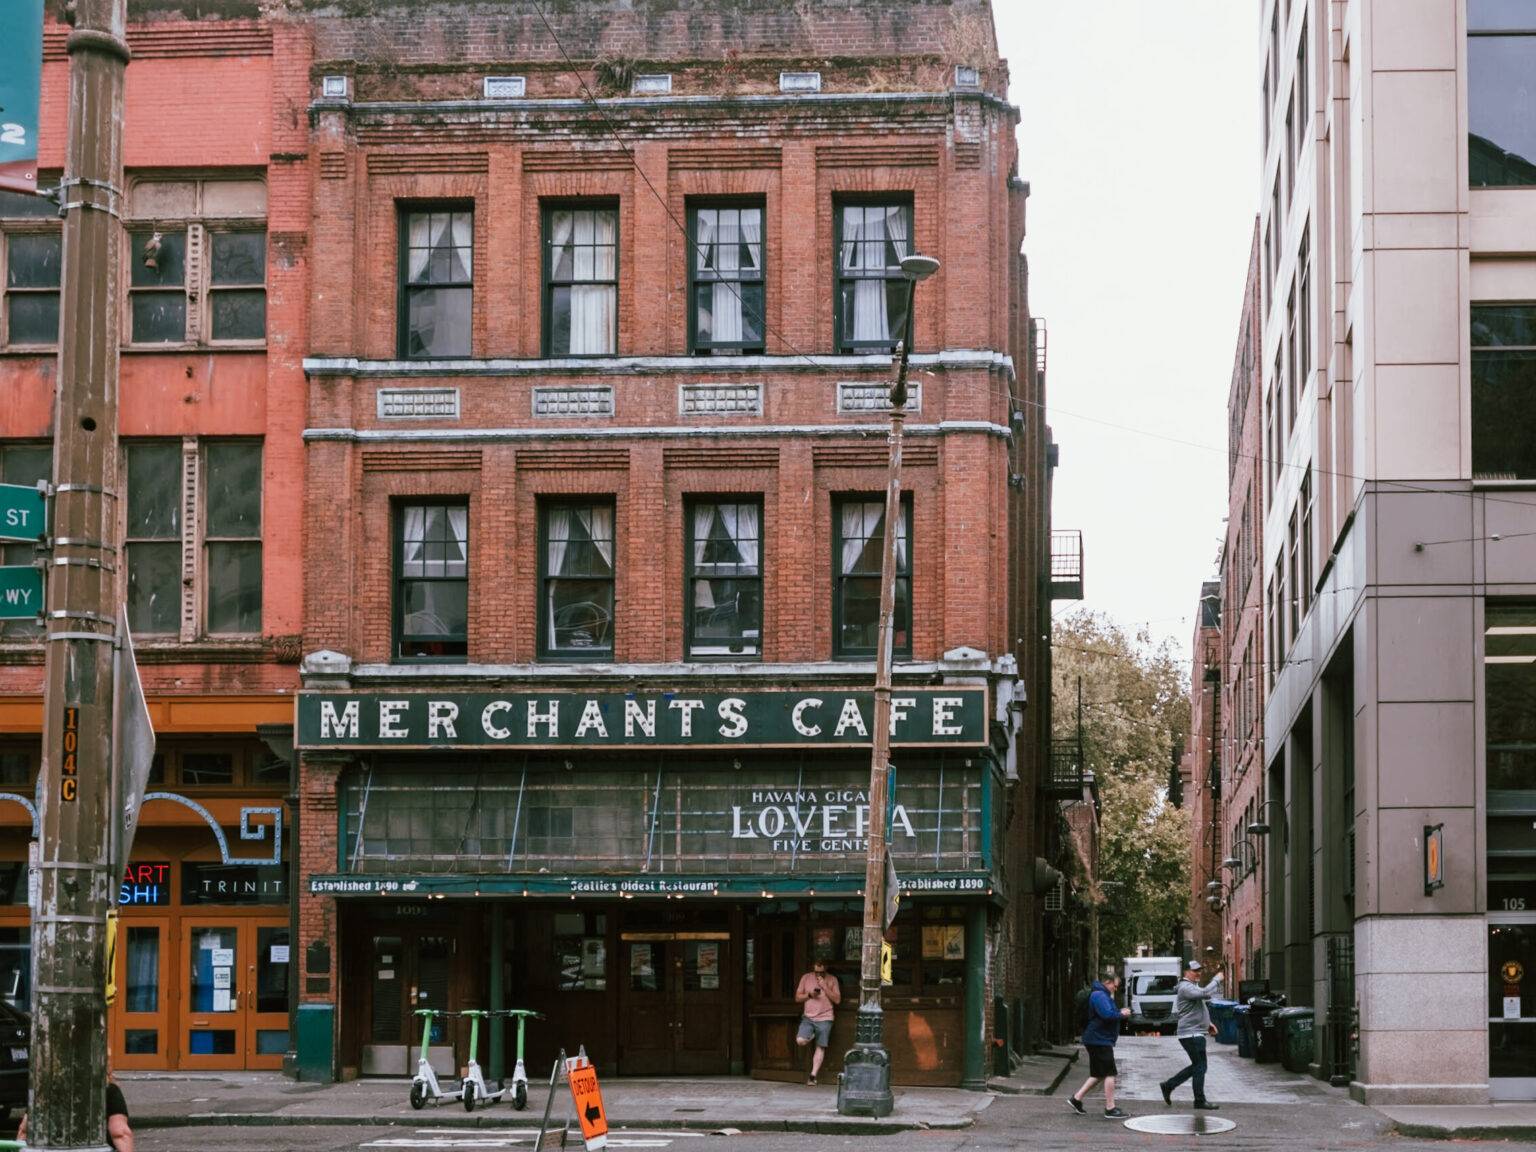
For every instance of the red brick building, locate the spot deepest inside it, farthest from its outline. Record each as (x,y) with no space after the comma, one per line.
(595,442)
(209,482)
(1202,774)
(1243,657)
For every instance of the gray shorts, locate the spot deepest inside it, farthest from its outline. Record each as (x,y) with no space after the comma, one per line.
(820,1030)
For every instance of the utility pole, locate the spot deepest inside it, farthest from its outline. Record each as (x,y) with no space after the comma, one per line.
(69,1038)
(865,1088)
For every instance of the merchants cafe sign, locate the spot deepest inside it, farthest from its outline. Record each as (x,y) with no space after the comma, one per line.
(920,717)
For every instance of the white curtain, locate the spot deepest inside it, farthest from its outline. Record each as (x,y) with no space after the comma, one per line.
(561,225)
(559,537)
(414,538)
(740,522)
(901,540)
(853,535)
(420,248)
(725,308)
(592,305)
(462,234)
(598,522)
(458,523)
(864,237)
(703,521)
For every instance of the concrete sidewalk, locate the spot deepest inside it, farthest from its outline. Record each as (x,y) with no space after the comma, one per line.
(161,1100)
(1463,1121)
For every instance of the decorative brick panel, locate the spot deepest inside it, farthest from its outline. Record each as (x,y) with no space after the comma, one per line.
(874,454)
(708,159)
(719,399)
(742,458)
(861,397)
(418,403)
(596,400)
(333,165)
(573,459)
(894,154)
(422,163)
(421,459)
(575,160)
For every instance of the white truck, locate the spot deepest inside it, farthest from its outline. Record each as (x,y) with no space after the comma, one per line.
(1148,987)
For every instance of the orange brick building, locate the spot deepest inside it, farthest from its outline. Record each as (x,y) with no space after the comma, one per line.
(210,486)
(595,446)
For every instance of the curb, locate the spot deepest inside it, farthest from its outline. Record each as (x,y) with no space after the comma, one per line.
(1525,1132)
(502,1121)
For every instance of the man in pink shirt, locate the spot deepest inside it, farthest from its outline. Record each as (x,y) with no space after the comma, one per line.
(820,994)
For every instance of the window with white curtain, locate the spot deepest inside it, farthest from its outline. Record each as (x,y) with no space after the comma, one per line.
(432,585)
(576,550)
(872,293)
(581,303)
(437,283)
(725,578)
(858,541)
(727,277)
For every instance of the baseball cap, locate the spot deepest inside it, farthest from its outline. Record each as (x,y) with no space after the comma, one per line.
(1195,966)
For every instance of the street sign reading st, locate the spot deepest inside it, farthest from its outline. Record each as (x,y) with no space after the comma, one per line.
(21,512)
(21,592)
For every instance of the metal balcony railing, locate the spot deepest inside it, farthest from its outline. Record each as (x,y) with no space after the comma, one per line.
(1067,564)
(1065,776)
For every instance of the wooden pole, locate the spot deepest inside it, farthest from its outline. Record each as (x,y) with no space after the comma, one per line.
(69,1042)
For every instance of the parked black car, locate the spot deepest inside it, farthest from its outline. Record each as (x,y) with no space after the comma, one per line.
(15,1036)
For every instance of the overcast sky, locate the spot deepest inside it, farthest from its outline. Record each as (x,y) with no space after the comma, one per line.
(1140,141)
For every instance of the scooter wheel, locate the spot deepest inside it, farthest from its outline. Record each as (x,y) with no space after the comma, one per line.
(520,1097)
(469,1097)
(418,1095)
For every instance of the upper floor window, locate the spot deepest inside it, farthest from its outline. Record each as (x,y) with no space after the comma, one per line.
(872,294)
(437,262)
(727,274)
(197,262)
(576,575)
(858,541)
(194,576)
(22,463)
(432,581)
(725,578)
(1504,391)
(581,289)
(31,257)
(1501,101)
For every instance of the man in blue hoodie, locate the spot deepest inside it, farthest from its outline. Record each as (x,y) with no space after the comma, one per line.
(1099,1037)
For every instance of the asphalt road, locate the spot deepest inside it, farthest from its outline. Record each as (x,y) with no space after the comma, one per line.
(1010,1123)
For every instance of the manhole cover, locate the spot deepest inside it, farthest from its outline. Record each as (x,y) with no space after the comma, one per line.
(1178,1124)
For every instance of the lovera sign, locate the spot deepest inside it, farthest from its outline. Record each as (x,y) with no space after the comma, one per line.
(920,717)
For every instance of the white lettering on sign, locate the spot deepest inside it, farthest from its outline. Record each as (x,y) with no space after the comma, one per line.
(389,712)
(633,715)
(591,719)
(688,708)
(492,729)
(550,719)
(441,715)
(797,717)
(17,517)
(901,706)
(944,715)
(850,718)
(733,711)
(342,727)
(18,596)
(774,818)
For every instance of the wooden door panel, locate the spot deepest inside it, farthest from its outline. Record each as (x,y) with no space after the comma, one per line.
(265,999)
(143,1035)
(213,1030)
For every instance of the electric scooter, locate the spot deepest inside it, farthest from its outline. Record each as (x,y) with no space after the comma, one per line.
(424,1088)
(520,1073)
(474,1088)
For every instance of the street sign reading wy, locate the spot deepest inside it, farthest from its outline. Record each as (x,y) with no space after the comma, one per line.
(22,515)
(21,592)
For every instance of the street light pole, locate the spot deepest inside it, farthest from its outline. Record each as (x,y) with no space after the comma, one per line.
(865,1089)
(69,1044)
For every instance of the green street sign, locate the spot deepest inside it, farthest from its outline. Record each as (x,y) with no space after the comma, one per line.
(22,516)
(21,72)
(21,592)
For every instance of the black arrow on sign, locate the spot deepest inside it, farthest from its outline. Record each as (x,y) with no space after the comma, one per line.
(594,1113)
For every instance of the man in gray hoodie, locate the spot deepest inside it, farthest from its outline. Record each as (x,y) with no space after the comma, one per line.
(1189,1005)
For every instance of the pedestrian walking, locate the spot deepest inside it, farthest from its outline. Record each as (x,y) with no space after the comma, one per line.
(1191,1006)
(119,1134)
(820,994)
(1100,1032)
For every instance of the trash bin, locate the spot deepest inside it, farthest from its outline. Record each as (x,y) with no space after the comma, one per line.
(1294,1027)
(1266,1040)
(1226,1023)
(1244,1028)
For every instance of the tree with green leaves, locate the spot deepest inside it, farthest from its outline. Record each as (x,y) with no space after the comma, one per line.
(1134,714)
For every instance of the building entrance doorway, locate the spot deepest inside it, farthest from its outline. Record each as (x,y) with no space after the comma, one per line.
(674,1003)
(1512,1007)
(234,990)
(408,968)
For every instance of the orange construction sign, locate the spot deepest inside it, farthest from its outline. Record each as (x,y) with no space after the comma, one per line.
(588,1098)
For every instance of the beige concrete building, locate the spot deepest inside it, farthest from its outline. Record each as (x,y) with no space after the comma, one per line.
(1398,234)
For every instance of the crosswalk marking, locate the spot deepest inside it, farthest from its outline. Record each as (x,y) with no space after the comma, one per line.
(427,1138)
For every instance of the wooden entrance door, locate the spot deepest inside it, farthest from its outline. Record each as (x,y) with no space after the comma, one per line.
(408,968)
(141,1025)
(674,1003)
(213,1025)
(267,968)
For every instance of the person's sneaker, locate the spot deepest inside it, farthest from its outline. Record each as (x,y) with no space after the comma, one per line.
(1076,1105)
(811,1081)
(1167,1094)
(1206,1106)
(1115,1114)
